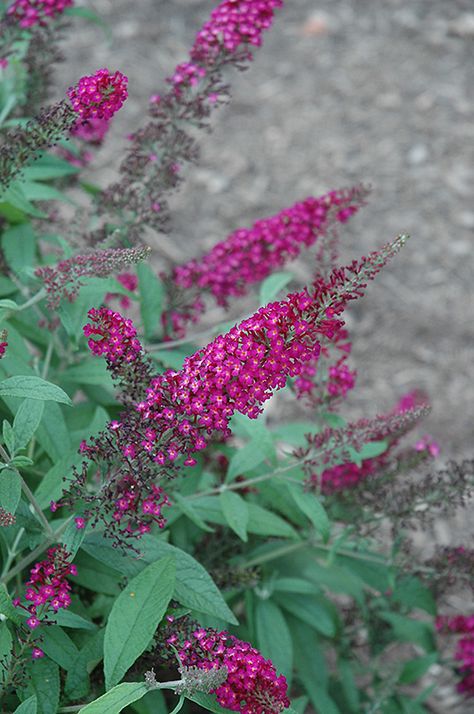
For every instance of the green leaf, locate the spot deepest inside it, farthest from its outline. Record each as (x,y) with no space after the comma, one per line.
(407,629)
(29,706)
(8,436)
(261,521)
(66,618)
(411,592)
(6,643)
(6,606)
(90,372)
(294,433)
(33,388)
(151,298)
(135,616)
(416,668)
(187,509)
(274,638)
(244,460)
(72,538)
(116,699)
(27,419)
(235,512)
(315,610)
(10,490)
(19,246)
(52,484)
(14,198)
(77,680)
(349,686)
(272,285)
(367,451)
(294,585)
(311,506)
(59,646)
(298,706)
(53,434)
(96,576)
(43,681)
(34,191)
(194,587)
(48,167)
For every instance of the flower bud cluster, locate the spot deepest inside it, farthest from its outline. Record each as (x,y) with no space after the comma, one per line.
(6,518)
(130,282)
(63,280)
(252,685)
(36,12)
(249,255)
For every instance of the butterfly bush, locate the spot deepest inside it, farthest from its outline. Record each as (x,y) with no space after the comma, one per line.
(170,454)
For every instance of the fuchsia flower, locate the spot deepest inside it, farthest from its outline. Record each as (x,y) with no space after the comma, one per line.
(48,587)
(117,338)
(100,95)
(36,12)
(92,130)
(249,255)
(461,624)
(252,685)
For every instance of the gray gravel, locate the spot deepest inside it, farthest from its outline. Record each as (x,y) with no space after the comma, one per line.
(343,91)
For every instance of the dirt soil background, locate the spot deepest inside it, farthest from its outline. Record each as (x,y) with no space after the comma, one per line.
(342,91)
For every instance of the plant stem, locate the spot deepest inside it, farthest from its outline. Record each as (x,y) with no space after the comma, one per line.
(33,300)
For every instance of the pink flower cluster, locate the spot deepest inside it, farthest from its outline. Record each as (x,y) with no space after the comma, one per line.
(117,338)
(3,348)
(233,24)
(48,588)
(252,685)
(249,255)
(36,12)
(99,95)
(460,624)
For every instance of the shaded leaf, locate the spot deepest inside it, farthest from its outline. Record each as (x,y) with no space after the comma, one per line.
(135,616)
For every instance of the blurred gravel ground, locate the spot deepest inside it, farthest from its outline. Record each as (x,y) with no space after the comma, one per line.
(342,91)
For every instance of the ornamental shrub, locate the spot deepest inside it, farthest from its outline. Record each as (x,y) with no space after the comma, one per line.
(167,542)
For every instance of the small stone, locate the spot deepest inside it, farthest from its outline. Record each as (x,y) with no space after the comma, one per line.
(316,24)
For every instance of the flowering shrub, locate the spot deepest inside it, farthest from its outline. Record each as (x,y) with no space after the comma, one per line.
(155,518)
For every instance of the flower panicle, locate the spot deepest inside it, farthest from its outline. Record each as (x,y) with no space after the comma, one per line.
(249,255)
(63,280)
(179,411)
